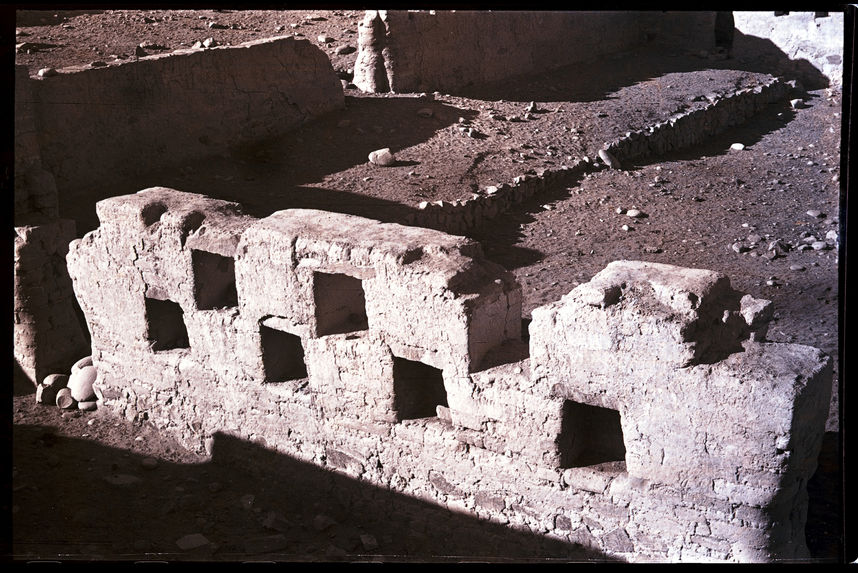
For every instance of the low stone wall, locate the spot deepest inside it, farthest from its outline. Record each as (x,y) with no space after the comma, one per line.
(97,124)
(416,51)
(714,115)
(801,36)
(647,419)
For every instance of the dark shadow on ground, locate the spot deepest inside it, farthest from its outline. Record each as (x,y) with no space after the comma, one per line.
(597,80)
(287,172)
(824,529)
(75,499)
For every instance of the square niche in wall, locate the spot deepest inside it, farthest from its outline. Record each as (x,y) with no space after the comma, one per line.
(590,435)
(340,304)
(418,389)
(282,355)
(165,325)
(214,280)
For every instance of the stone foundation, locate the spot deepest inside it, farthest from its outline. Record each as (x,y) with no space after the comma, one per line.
(648,419)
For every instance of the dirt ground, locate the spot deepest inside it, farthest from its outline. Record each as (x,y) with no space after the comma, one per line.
(89,486)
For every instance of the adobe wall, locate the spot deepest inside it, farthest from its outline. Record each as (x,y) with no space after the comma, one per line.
(416,51)
(801,36)
(97,124)
(647,418)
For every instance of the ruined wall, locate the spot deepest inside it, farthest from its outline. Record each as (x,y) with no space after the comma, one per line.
(801,36)
(414,51)
(648,418)
(97,124)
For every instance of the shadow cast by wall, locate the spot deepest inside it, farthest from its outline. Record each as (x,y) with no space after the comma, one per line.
(77,499)
(288,172)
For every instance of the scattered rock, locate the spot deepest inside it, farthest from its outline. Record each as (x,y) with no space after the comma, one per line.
(739,247)
(47,72)
(149,463)
(754,239)
(382,157)
(796,267)
(209,43)
(626,228)
(831,235)
(344,50)
(217,26)
(737,146)
(425,112)
(635,214)
(816,214)
(192,541)
(491,190)
(324,39)
(322,522)
(369,542)
(797,103)
(819,245)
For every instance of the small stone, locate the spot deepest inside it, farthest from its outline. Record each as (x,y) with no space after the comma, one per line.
(547,207)
(324,39)
(382,157)
(344,50)
(425,112)
(626,228)
(322,522)
(739,247)
(609,159)
(369,542)
(796,103)
(217,26)
(64,399)
(831,235)
(819,245)
(754,239)
(47,72)
(192,541)
(635,213)
(88,405)
(620,211)
(737,146)
(796,267)
(149,463)
(491,190)
(816,214)
(209,43)
(56,381)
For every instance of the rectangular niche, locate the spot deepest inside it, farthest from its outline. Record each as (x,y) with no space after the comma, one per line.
(590,435)
(165,325)
(282,355)
(418,389)
(340,304)
(214,280)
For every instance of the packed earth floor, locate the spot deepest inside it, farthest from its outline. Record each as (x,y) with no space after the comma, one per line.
(87,485)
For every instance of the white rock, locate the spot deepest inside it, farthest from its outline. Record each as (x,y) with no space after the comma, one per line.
(609,159)
(64,399)
(634,213)
(491,190)
(737,146)
(47,72)
(80,383)
(819,245)
(814,213)
(87,405)
(325,39)
(382,157)
(796,103)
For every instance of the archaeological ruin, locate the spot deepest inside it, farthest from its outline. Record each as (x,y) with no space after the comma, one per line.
(643,415)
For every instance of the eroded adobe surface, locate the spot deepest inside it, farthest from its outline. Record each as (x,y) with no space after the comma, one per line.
(647,409)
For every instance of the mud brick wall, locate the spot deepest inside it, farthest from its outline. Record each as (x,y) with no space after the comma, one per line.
(414,51)
(99,124)
(801,36)
(647,418)
(48,335)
